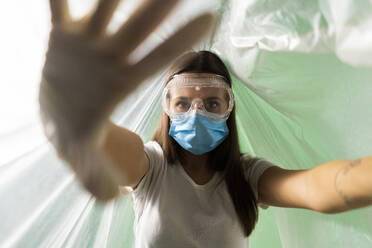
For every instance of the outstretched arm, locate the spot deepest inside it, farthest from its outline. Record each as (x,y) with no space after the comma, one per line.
(342,185)
(88,72)
(332,187)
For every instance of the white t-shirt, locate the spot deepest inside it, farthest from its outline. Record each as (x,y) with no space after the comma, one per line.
(171,210)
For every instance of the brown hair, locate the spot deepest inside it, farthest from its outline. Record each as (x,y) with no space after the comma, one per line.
(224,158)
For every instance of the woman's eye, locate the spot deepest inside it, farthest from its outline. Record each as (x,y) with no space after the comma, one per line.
(212,105)
(182,105)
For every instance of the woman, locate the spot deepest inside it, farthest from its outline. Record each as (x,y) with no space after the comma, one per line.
(194,189)
(191,186)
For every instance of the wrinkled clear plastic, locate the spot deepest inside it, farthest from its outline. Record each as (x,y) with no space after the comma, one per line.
(302,78)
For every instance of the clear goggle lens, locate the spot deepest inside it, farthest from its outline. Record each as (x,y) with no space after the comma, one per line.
(208,95)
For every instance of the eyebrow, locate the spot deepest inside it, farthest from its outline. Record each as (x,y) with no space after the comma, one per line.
(214,98)
(181,98)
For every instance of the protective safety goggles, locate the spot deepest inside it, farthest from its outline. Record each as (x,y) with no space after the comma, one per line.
(206,94)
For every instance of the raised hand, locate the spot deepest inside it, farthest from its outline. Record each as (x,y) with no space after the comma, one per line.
(87,73)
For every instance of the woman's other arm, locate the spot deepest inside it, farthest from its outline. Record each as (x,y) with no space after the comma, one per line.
(342,185)
(332,187)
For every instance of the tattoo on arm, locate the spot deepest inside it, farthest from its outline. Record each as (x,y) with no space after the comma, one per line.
(345,170)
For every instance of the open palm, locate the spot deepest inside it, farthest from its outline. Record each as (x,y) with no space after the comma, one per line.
(87,73)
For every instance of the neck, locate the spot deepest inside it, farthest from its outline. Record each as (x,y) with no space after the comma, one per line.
(196,163)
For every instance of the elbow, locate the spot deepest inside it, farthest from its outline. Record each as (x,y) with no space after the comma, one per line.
(329,209)
(333,211)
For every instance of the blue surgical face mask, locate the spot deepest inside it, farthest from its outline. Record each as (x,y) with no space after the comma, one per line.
(198,134)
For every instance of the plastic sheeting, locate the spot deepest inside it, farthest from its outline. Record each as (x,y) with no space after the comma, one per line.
(302,78)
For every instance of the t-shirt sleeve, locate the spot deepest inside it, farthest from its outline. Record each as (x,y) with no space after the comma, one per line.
(253,172)
(147,183)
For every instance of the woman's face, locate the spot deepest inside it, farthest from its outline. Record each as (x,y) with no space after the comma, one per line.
(212,99)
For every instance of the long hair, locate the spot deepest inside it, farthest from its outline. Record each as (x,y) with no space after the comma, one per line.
(224,158)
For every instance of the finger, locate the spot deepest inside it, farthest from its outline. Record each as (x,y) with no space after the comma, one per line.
(173,47)
(145,19)
(101,16)
(59,11)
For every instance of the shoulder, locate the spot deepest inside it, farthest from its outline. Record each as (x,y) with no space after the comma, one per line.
(154,146)
(253,168)
(154,152)
(248,160)
(157,165)
(253,164)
